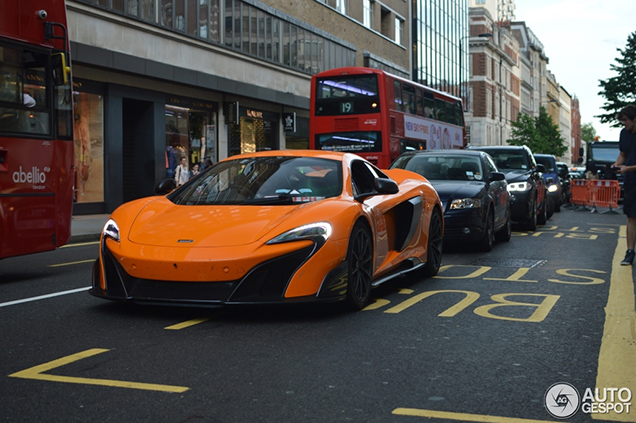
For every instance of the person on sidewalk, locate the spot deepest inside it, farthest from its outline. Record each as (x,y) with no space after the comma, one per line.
(626,165)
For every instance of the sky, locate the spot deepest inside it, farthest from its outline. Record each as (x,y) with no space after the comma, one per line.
(580,38)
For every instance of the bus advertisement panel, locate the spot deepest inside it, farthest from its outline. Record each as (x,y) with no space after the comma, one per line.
(36,127)
(379,116)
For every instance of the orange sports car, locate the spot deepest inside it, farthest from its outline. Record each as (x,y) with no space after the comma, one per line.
(272,227)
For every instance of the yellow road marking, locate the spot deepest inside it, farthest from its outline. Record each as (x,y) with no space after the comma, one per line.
(71,263)
(37,373)
(80,244)
(432,414)
(188,323)
(618,347)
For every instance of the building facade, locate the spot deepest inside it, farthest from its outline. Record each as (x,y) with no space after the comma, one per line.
(440,45)
(157,80)
(495,83)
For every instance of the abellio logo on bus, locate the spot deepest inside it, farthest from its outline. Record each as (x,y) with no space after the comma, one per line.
(35,176)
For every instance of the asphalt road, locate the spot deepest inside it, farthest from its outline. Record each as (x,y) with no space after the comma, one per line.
(482,341)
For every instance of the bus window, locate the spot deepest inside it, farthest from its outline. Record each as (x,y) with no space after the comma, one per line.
(398,95)
(419,102)
(429,105)
(450,113)
(343,95)
(354,142)
(409,98)
(23,93)
(459,114)
(440,110)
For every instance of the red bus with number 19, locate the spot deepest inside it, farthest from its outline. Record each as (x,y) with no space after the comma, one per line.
(378,115)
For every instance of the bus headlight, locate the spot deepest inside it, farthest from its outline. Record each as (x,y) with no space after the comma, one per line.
(553,188)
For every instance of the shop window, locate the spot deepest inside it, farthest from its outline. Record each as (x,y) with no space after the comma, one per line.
(190,133)
(89,147)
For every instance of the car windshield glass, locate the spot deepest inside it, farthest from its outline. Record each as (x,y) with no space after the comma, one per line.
(263,180)
(453,167)
(509,159)
(547,162)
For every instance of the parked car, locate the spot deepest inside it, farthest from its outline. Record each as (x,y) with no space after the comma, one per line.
(551,179)
(272,227)
(528,203)
(473,192)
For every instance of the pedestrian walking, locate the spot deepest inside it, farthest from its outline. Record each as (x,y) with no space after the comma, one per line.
(181,173)
(626,165)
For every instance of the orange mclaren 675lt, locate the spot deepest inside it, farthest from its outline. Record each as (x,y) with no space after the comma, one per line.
(272,227)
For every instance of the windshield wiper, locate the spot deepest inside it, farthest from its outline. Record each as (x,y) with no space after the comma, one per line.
(272,199)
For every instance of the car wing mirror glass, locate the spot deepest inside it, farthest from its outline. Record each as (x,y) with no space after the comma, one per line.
(165,186)
(386,186)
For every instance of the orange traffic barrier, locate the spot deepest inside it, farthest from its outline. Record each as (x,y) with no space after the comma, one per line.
(604,193)
(580,192)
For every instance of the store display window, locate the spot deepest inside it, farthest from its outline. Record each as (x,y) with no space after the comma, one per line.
(88,134)
(190,133)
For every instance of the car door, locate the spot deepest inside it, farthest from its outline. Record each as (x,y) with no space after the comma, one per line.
(498,192)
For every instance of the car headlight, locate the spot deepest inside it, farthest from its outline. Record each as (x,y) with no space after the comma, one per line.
(318,232)
(519,186)
(553,188)
(111,230)
(465,203)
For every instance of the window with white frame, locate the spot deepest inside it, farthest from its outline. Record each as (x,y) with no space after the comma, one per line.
(367,13)
(342,6)
(399,27)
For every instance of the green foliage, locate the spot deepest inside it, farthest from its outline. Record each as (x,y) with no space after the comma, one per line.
(588,133)
(540,134)
(620,90)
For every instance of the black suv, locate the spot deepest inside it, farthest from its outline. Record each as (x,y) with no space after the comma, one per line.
(528,199)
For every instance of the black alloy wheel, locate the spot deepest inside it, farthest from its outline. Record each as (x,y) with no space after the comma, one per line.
(360,261)
(531,225)
(434,245)
(543,214)
(488,239)
(504,234)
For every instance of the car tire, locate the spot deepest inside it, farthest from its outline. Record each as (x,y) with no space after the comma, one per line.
(504,234)
(543,214)
(531,225)
(434,244)
(550,208)
(488,240)
(360,267)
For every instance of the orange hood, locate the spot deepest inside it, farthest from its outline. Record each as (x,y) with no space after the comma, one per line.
(162,223)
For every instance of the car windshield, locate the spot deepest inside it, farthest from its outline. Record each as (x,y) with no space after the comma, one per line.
(449,167)
(263,180)
(548,163)
(509,159)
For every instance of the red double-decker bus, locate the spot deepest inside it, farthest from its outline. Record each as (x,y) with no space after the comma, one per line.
(379,116)
(36,127)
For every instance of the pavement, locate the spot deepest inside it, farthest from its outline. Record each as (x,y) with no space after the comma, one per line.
(87,228)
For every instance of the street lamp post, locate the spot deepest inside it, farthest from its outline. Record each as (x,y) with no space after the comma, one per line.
(461,68)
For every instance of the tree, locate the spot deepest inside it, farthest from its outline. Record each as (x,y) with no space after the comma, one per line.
(620,90)
(588,133)
(540,134)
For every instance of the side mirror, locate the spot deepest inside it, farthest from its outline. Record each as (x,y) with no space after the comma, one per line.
(165,186)
(497,176)
(540,168)
(386,186)
(549,181)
